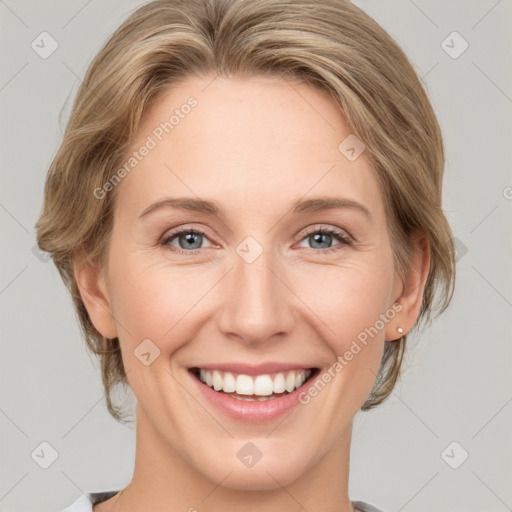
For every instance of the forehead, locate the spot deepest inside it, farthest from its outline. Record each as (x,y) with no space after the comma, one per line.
(246,141)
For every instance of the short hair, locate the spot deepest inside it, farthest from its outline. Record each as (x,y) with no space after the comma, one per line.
(332,45)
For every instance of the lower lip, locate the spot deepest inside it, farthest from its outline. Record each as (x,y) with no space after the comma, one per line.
(253,411)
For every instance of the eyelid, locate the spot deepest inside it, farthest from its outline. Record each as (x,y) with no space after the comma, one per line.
(342,233)
(345,240)
(187,228)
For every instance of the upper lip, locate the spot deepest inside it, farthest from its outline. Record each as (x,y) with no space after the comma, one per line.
(254,369)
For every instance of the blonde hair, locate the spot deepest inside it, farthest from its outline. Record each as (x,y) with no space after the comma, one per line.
(332,45)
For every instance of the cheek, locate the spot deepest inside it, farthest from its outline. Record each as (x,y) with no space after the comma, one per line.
(150,301)
(348,299)
(153,324)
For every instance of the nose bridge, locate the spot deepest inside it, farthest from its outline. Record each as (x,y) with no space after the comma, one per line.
(256,303)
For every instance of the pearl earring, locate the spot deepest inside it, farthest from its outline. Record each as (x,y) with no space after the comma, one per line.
(400,330)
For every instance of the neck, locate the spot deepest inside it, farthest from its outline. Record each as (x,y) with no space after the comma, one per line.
(163,481)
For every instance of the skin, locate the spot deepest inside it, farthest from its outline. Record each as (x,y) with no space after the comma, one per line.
(254,145)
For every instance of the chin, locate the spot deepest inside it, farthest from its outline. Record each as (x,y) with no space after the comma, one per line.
(276,467)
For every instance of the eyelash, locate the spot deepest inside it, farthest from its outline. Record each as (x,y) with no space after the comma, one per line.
(343,238)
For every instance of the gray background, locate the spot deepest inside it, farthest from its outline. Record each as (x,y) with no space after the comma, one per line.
(457,386)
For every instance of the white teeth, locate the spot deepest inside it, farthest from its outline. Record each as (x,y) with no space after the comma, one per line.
(290,382)
(261,385)
(299,379)
(244,385)
(229,383)
(216,380)
(279,383)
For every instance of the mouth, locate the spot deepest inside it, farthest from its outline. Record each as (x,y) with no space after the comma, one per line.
(254,388)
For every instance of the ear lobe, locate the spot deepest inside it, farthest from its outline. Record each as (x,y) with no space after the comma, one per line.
(93,290)
(412,292)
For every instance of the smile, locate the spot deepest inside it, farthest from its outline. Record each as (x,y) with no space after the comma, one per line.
(258,387)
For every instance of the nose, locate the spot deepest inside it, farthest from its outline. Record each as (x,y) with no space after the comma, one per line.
(256,302)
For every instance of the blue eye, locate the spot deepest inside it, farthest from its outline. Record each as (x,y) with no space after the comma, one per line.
(325,235)
(187,239)
(190,240)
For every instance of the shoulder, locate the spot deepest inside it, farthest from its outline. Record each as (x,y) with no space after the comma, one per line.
(86,501)
(361,506)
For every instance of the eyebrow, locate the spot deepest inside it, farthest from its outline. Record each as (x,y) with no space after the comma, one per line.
(314,204)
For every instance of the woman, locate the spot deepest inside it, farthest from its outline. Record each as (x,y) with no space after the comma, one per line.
(246,208)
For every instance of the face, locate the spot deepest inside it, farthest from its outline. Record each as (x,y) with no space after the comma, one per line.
(273,275)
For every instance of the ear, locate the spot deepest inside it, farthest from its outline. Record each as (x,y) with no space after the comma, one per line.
(93,290)
(412,288)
